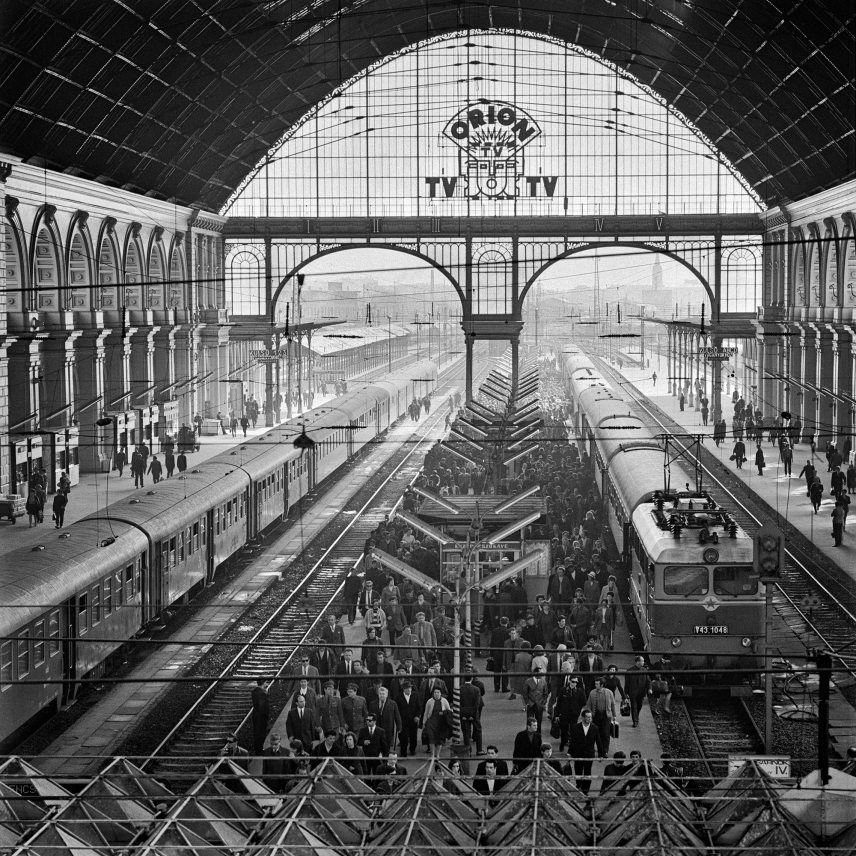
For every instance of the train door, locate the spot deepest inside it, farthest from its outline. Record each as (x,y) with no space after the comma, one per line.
(67,618)
(208,538)
(159,579)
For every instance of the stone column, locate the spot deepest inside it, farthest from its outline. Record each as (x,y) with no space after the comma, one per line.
(95,441)
(842,381)
(716,380)
(807,371)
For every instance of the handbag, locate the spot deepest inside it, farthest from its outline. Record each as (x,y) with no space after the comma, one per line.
(613,730)
(556,728)
(733,458)
(490,665)
(625,707)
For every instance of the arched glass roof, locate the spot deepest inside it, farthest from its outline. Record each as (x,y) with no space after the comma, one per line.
(491,123)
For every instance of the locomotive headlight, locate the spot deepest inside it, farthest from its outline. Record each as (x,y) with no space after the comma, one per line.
(676,641)
(745,641)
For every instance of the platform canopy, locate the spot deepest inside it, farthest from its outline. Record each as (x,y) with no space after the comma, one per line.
(180,99)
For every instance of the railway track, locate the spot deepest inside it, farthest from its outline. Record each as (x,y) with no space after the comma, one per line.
(223,707)
(811,603)
(721,726)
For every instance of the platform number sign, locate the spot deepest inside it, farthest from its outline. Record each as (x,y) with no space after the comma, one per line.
(769,553)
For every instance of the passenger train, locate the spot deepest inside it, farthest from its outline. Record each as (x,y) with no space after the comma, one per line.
(691,581)
(70,603)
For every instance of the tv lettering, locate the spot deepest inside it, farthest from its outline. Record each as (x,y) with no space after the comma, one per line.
(490,139)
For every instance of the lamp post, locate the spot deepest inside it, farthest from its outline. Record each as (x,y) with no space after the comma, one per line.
(389,341)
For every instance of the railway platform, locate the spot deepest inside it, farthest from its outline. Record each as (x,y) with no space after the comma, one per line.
(785,494)
(80,750)
(503,718)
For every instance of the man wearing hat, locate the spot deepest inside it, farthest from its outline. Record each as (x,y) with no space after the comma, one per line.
(535,695)
(424,632)
(591,591)
(329,709)
(444,632)
(354,709)
(410,710)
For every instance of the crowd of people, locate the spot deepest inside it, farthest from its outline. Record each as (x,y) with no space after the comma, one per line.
(390,697)
(37,498)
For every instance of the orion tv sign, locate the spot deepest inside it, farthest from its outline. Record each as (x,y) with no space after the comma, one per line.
(491,138)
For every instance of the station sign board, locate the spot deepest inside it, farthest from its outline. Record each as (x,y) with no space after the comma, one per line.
(717,355)
(776,766)
(265,355)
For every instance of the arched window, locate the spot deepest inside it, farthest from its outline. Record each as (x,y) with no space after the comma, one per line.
(79,274)
(154,284)
(108,275)
(13,251)
(46,268)
(133,296)
(175,298)
(742,278)
(245,281)
(491,283)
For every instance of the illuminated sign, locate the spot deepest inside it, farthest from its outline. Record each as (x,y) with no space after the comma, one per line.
(490,138)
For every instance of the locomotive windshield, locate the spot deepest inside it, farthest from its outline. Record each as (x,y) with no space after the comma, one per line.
(734,580)
(685,580)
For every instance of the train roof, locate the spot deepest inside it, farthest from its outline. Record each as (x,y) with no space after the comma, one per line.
(618,433)
(699,518)
(634,474)
(174,503)
(33,580)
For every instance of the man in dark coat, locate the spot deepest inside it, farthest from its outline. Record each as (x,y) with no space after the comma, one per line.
(637,685)
(410,710)
(498,637)
(487,782)
(387,772)
(138,468)
(345,671)
(181,462)
(169,463)
(333,636)
(351,594)
(373,741)
(302,724)
(584,740)
(276,765)
(590,664)
(527,745)
(261,715)
(471,705)
(387,714)
(354,709)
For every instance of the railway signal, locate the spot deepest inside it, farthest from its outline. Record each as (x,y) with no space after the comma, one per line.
(769,552)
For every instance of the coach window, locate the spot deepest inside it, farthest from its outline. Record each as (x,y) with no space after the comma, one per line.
(23,653)
(734,580)
(108,596)
(39,644)
(172,552)
(129,581)
(181,546)
(686,580)
(195,536)
(82,614)
(96,605)
(53,633)
(6,675)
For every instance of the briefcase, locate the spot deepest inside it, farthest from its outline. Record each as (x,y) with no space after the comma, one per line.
(613,730)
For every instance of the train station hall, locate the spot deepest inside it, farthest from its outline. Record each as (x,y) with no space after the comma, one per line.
(391,339)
